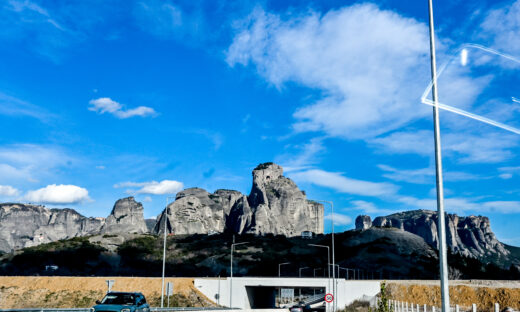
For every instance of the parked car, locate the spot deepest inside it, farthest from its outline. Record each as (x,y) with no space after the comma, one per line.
(122,302)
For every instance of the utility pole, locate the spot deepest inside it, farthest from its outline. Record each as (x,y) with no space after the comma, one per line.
(443,261)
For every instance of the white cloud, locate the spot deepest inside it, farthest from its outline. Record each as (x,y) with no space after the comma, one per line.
(153,187)
(107,105)
(9,191)
(488,147)
(339,219)
(31,162)
(502,27)
(424,175)
(58,194)
(344,184)
(101,167)
(147,199)
(463,205)
(505,176)
(12,106)
(306,157)
(508,172)
(368,62)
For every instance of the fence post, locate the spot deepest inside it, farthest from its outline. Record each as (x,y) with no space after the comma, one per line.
(425,308)
(457,309)
(411,305)
(418,308)
(433,309)
(497,307)
(474,308)
(406,306)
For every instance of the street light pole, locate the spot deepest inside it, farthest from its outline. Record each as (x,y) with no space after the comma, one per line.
(300,275)
(231,265)
(333,256)
(279,275)
(328,258)
(443,261)
(164,249)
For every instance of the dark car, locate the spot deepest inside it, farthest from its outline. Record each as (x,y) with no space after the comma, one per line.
(122,302)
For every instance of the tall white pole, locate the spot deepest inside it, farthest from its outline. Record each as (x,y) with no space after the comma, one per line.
(443,261)
(165,216)
(333,255)
(231,279)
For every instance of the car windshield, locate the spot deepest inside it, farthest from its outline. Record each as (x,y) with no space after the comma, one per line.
(118,299)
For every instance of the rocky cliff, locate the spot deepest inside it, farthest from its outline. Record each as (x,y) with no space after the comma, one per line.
(30,225)
(25,225)
(275,205)
(469,236)
(126,217)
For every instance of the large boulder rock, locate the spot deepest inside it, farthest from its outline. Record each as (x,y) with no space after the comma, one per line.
(195,211)
(279,207)
(363,222)
(24,225)
(126,217)
(275,205)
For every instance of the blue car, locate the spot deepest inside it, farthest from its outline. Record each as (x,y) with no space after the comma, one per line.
(122,302)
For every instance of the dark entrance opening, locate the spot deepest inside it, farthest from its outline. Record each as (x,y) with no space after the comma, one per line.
(261,297)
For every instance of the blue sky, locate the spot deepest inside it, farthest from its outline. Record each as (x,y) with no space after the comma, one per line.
(105,99)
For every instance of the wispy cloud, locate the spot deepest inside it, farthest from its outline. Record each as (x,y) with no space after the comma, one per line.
(343,184)
(31,162)
(424,175)
(339,219)
(371,54)
(489,147)
(12,106)
(107,105)
(305,157)
(502,26)
(58,194)
(152,187)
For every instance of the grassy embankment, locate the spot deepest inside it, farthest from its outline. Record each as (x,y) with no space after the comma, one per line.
(78,292)
(464,293)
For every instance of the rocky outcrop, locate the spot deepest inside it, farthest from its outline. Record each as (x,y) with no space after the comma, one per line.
(30,225)
(126,217)
(275,205)
(363,222)
(470,236)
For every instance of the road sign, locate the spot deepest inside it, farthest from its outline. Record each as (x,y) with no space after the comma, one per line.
(329,298)
(169,289)
(287,292)
(110,283)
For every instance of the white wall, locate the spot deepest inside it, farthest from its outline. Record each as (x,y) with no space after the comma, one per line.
(347,291)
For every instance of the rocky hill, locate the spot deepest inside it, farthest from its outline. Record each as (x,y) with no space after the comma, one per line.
(381,253)
(275,205)
(25,225)
(468,236)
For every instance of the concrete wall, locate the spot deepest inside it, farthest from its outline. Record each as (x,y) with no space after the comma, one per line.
(347,291)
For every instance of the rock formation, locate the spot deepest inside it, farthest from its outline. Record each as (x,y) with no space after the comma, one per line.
(126,217)
(363,222)
(30,225)
(275,205)
(470,236)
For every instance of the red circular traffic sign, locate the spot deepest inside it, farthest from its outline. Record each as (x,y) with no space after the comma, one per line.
(329,298)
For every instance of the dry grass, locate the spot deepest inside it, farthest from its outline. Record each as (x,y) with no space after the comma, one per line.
(463,295)
(68,292)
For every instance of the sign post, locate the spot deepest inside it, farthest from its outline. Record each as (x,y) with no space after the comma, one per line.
(110,283)
(329,298)
(169,291)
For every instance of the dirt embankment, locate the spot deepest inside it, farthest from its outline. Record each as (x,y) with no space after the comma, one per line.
(79,292)
(464,293)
